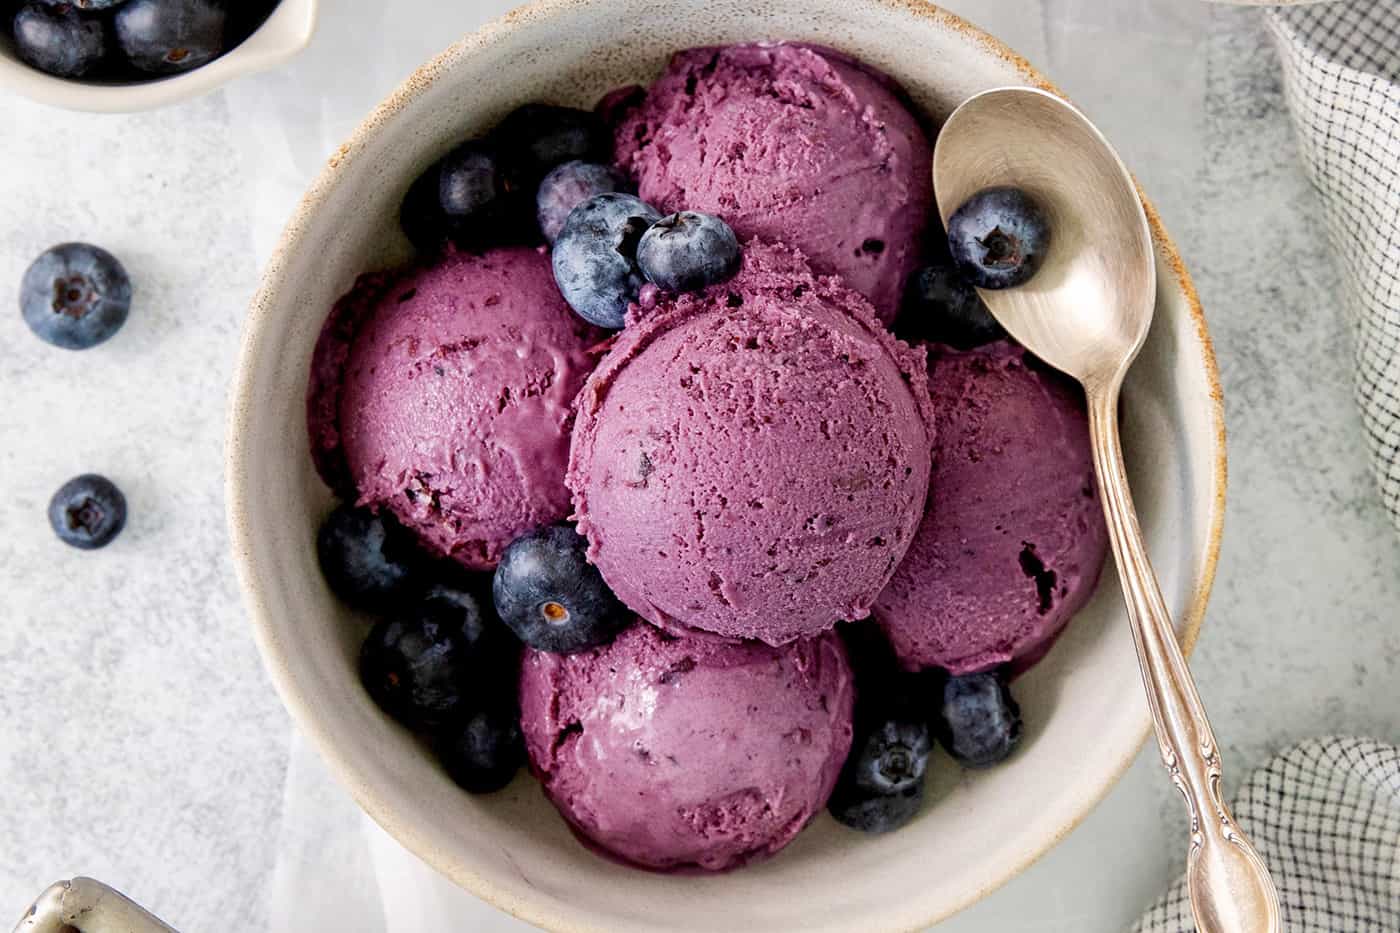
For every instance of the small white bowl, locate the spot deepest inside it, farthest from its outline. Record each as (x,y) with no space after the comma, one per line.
(285,33)
(1084,705)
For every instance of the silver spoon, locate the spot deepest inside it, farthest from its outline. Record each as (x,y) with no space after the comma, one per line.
(1087,312)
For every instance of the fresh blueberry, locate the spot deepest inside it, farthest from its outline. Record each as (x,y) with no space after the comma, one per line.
(595,256)
(566,187)
(870,812)
(980,722)
(421,216)
(483,752)
(999,237)
(469,183)
(536,137)
(87,512)
(893,756)
(369,560)
(75,296)
(59,39)
(552,597)
(443,656)
(688,251)
(466,606)
(942,306)
(170,36)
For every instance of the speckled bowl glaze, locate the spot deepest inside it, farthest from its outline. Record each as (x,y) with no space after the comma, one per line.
(285,33)
(1085,708)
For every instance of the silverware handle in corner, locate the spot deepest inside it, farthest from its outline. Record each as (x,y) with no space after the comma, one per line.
(90,907)
(1229,885)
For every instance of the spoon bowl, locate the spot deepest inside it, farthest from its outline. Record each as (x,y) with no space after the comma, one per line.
(1087,310)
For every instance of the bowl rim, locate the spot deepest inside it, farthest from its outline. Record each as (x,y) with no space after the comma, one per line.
(293,19)
(302,708)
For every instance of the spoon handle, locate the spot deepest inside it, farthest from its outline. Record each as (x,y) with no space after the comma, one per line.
(1229,885)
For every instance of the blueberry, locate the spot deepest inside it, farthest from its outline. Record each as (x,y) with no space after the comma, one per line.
(552,597)
(421,216)
(85,4)
(87,512)
(999,237)
(942,306)
(59,39)
(892,757)
(536,137)
(688,251)
(75,296)
(368,560)
(870,812)
(566,187)
(468,181)
(483,752)
(428,666)
(980,723)
(170,36)
(595,256)
(466,607)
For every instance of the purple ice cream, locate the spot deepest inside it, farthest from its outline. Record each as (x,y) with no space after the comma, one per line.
(787,142)
(752,460)
(688,753)
(1013,539)
(445,394)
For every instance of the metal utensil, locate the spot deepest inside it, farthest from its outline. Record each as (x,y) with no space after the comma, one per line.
(87,906)
(1087,312)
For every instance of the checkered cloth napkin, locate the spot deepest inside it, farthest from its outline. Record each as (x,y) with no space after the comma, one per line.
(1325,816)
(1341,68)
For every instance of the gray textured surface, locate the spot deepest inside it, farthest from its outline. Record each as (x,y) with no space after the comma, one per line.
(139,739)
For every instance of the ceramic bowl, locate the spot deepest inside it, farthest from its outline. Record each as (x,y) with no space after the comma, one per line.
(1084,706)
(285,33)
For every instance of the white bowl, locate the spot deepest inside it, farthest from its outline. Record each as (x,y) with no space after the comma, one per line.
(285,33)
(1086,716)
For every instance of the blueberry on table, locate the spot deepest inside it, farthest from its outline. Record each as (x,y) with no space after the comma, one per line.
(595,257)
(536,137)
(876,813)
(554,600)
(566,187)
(171,36)
(75,296)
(368,559)
(483,752)
(88,512)
(59,39)
(999,237)
(980,723)
(940,305)
(688,251)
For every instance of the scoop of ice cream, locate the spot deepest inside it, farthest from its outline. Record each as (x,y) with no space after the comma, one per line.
(791,143)
(752,460)
(688,753)
(1013,539)
(445,395)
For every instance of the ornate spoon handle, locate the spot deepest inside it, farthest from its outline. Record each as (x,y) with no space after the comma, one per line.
(1229,885)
